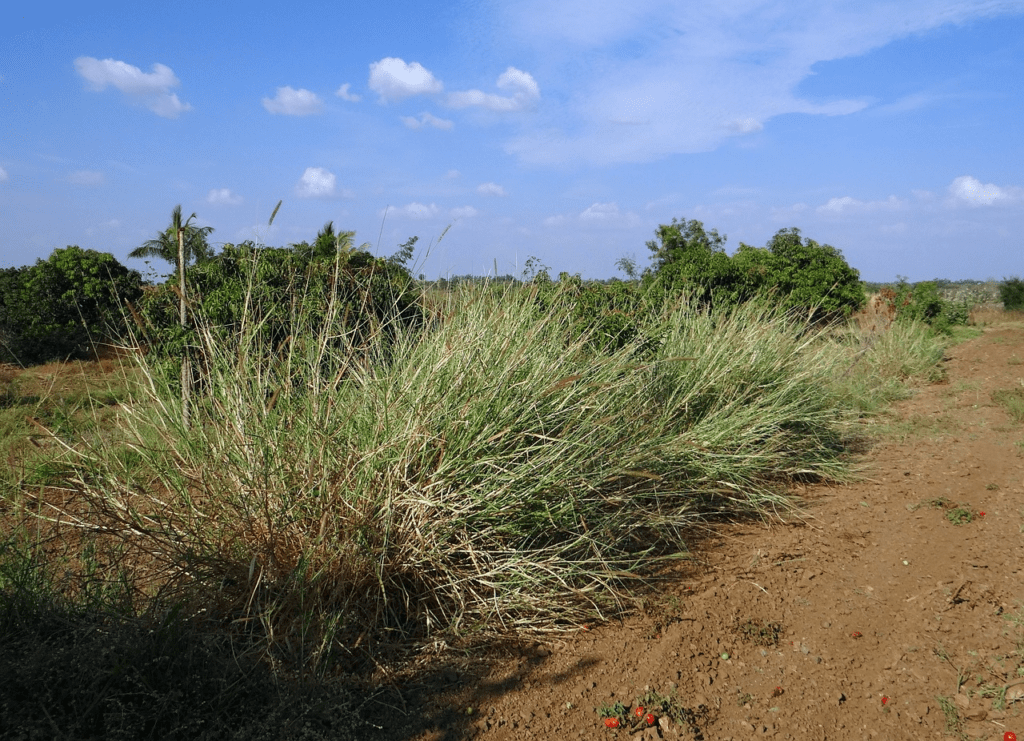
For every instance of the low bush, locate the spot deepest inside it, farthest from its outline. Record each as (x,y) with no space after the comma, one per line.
(1011,293)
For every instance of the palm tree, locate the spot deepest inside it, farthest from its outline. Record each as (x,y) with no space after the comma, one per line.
(329,242)
(180,244)
(165,246)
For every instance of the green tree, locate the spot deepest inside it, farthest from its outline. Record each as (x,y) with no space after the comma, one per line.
(65,306)
(165,246)
(404,255)
(684,241)
(627,264)
(690,258)
(812,277)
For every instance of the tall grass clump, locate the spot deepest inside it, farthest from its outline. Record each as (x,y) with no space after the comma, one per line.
(876,367)
(492,468)
(740,401)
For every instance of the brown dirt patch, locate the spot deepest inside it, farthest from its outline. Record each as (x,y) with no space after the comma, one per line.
(875,616)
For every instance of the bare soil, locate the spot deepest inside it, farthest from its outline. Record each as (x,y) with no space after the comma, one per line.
(892,609)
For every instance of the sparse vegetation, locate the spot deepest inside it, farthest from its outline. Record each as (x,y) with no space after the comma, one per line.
(1012,400)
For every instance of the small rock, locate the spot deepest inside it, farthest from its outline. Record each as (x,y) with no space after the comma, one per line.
(976,714)
(962,701)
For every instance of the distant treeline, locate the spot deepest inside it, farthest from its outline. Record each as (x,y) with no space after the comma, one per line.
(78,300)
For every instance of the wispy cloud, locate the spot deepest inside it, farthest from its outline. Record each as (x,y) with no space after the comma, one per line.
(969,191)
(463,212)
(415,211)
(343,93)
(86,177)
(291,102)
(316,182)
(426,119)
(224,196)
(523,88)
(698,74)
(392,79)
(3,175)
(490,189)
(907,103)
(151,89)
(848,204)
(600,212)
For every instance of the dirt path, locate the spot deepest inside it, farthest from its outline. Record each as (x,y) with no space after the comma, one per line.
(875,617)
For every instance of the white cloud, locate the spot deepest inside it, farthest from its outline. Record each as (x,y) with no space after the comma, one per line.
(392,79)
(343,93)
(838,205)
(316,182)
(490,189)
(463,212)
(524,89)
(744,126)
(86,177)
(453,174)
(556,220)
(151,89)
(600,212)
(223,195)
(967,190)
(426,119)
(848,204)
(3,175)
(416,211)
(696,74)
(291,102)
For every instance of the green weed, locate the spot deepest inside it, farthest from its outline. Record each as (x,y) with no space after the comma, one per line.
(1012,400)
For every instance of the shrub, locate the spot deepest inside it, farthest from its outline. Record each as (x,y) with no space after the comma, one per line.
(609,316)
(348,296)
(1011,293)
(922,302)
(804,276)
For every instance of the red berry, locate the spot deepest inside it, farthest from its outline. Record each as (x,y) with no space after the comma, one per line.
(1009,736)
(855,634)
(649,719)
(611,722)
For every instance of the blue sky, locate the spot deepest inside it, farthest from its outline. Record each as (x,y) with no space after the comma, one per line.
(561,129)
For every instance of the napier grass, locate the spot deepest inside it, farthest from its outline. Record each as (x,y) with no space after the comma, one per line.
(486,472)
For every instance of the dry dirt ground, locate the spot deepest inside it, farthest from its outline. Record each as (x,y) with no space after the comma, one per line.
(891,610)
